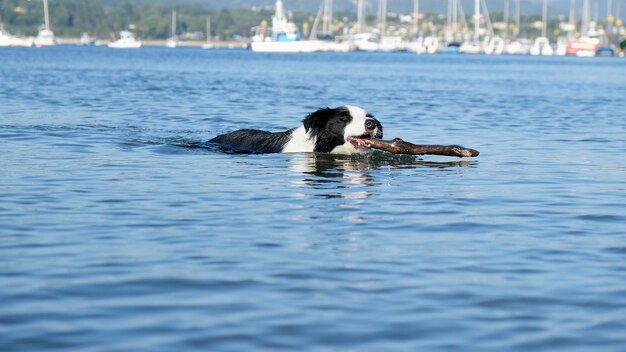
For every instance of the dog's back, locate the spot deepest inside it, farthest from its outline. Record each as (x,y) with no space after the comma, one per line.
(252,141)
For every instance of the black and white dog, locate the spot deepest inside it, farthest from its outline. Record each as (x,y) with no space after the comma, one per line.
(340,130)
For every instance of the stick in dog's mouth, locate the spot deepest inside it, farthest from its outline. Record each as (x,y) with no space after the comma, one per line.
(398,146)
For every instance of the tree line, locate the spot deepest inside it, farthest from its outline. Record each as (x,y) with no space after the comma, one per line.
(71,18)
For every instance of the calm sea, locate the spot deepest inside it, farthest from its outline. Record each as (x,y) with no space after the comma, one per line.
(119,233)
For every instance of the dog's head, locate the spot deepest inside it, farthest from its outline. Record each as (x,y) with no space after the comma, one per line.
(340,130)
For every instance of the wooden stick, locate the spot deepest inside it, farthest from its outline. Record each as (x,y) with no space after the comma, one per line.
(398,146)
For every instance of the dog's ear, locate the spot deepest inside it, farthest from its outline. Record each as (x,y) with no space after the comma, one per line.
(317,120)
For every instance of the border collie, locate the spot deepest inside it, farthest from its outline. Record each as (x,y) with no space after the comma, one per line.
(339,130)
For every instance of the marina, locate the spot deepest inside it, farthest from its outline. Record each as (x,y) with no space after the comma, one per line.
(120,232)
(462,32)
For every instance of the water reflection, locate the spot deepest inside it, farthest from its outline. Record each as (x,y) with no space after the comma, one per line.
(334,174)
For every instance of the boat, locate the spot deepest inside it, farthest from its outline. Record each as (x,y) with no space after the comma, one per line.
(366,41)
(45,37)
(7,39)
(605,51)
(452,48)
(474,46)
(542,44)
(171,42)
(588,44)
(471,47)
(495,46)
(127,41)
(86,40)
(284,38)
(208,44)
(542,47)
(583,46)
(518,47)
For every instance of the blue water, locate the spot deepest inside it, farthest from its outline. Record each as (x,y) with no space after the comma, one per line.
(117,234)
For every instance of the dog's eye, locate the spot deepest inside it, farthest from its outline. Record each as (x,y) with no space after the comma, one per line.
(345,118)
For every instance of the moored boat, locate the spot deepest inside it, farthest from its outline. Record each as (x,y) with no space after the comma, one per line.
(127,41)
(284,38)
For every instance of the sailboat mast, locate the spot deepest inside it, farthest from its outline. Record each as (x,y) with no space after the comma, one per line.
(518,18)
(476,19)
(585,18)
(544,17)
(506,19)
(449,17)
(361,15)
(173,24)
(416,15)
(382,17)
(455,16)
(208,28)
(328,16)
(46,16)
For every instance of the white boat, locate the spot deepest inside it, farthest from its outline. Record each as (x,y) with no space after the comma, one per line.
(340,47)
(366,41)
(45,37)
(495,46)
(518,47)
(126,41)
(7,39)
(208,44)
(416,46)
(391,43)
(471,47)
(171,42)
(86,40)
(542,47)
(432,45)
(285,37)
(542,44)
(474,46)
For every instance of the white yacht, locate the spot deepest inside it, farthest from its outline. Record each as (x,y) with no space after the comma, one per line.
(126,41)
(46,35)
(284,38)
(7,39)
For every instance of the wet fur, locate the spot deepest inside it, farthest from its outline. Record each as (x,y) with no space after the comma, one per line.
(324,130)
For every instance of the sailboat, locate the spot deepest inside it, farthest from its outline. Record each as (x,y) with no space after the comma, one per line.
(542,44)
(588,43)
(416,45)
(171,43)
(474,46)
(284,38)
(208,44)
(518,46)
(46,35)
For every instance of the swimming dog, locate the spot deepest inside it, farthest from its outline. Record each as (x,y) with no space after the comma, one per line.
(328,130)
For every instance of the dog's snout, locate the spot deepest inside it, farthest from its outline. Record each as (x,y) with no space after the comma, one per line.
(370,124)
